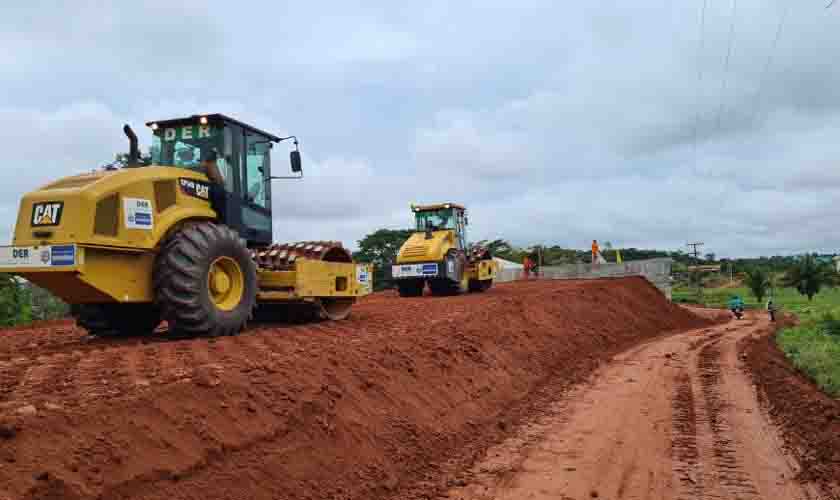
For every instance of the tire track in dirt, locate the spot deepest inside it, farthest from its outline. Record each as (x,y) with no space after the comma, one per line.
(689,419)
(12,375)
(731,474)
(149,366)
(33,375)
(183,365)
(684,446)
(130,361)
(672,418)
(91,379)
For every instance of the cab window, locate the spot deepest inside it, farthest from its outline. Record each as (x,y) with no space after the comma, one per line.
(257,158)
(435,220)
(185,146)
(226,161)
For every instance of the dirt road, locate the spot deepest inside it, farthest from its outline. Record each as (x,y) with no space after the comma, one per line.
(672,418)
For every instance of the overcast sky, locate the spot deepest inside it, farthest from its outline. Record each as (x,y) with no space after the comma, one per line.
(553,121)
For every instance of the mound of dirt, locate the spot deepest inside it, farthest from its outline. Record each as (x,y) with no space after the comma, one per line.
(371,407)
(810,419)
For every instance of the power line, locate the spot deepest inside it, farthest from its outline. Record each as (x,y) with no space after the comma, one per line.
(767,64)
(729,45)
(700,43)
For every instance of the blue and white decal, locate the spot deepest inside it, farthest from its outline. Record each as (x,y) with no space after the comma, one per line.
(414,270)
(362,274)
(34,257)
(430,269)
(62,255)
(138,213)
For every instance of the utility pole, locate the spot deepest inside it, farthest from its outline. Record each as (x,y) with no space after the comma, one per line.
(696,275)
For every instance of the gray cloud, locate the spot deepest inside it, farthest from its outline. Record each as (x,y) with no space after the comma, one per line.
(553,122)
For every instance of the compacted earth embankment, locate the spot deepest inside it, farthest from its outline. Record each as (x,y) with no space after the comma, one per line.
(809,418)
(378,406)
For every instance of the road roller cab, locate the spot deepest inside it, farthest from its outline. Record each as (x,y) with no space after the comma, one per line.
(186,238)
(240,153)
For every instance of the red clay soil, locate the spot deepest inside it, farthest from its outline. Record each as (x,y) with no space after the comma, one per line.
(810,419)
(373,407)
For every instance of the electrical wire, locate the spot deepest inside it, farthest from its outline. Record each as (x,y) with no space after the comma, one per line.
(774,45)
(729,45)
(700,43)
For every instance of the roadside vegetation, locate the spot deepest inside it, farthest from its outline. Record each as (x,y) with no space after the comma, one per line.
(22,303)
(806,289)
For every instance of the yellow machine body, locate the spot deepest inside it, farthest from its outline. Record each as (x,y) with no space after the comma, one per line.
(483,270)
(315,278)
(93,238)
(417,248)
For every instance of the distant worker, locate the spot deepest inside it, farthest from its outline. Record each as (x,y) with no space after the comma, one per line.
(736,305)
(535,265)
(771,309)
(210,168)
(597,258)
(527,266)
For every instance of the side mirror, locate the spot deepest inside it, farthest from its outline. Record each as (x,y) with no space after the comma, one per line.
(294,159)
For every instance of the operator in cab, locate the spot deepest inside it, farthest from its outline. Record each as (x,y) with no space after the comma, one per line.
(210,167)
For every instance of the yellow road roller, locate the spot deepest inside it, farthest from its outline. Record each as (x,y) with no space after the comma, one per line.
(438,254)
(184,238)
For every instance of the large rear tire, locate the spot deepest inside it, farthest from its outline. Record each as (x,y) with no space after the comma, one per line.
(479,286)
(411,288)
(116,320)
(205,281)
(442,287)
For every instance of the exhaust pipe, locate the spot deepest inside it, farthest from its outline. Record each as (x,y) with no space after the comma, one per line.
(133,148)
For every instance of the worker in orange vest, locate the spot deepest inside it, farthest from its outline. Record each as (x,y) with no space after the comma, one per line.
(596,250)
(527,265)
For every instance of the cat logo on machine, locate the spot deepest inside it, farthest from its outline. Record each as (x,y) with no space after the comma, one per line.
(47,214)
(195,188)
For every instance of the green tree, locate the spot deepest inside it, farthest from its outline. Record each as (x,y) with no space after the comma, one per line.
(121,159)
(809,276)
(496,247)
(46,306)
(380,248)
(759,282)
(14,301)
(503,249)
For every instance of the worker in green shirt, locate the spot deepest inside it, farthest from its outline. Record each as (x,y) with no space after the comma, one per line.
(736,305)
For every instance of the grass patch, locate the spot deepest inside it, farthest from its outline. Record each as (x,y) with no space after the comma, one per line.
(815,351)
(788,299)
(813,346)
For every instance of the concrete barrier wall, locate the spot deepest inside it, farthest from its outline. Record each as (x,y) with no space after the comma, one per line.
(657,271)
